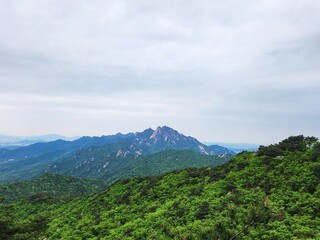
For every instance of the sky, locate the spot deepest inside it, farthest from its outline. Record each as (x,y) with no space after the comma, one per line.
(219,70)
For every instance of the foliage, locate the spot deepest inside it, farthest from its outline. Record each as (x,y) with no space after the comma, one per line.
(291,144)
(49,184)
(224,202)
(98,163)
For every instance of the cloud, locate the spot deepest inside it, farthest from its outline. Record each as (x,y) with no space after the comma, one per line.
(213,69)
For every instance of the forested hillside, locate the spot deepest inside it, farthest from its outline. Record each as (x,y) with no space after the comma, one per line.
(107,167)
(271,194)
(50,184)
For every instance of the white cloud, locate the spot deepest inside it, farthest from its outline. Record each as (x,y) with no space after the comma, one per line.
(209,68)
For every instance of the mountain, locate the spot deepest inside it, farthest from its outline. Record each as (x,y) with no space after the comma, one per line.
(109,167)
(148,141)
(50,138)
(271,194)
(163,138)
(17,144)
(50,184)
(220,150)
(19,141)
(30,161)
(58,148)
(236,147)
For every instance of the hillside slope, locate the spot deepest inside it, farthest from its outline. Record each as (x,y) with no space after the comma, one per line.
(96,163)
(271,194)
(49,184)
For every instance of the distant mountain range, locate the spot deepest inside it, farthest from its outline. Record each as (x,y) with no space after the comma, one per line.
(92,156)
(18,141)
(236,147)
(11,142)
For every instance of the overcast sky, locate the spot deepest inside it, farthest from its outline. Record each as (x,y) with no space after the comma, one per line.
(219,70)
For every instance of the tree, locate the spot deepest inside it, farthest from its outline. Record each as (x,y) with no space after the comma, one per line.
(315,153)
(293,143)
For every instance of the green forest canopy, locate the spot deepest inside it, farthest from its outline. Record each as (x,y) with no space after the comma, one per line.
(225,202)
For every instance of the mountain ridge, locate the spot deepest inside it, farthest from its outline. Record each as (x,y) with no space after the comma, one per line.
(20,141)
(30,161)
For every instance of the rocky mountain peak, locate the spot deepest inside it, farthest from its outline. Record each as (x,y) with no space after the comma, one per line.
(161,131)
(165,134)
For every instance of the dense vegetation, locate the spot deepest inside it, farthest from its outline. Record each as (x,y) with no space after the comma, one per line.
(96,163)
(259,195)
(50,184)
(106,168)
